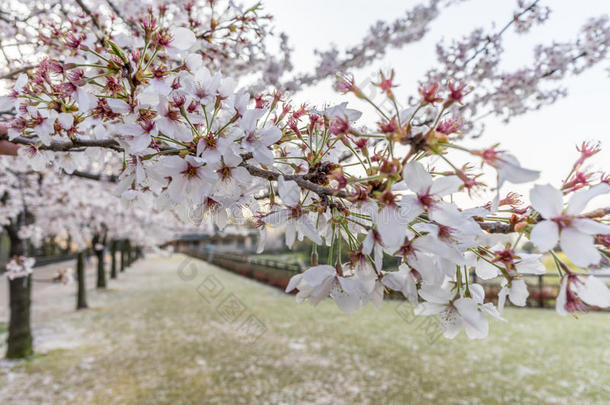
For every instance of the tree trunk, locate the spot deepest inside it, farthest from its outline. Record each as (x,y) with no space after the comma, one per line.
(113,253)
(19,342)
(123,254)
(81,296)
(101,271)
(128,253)
(19,332)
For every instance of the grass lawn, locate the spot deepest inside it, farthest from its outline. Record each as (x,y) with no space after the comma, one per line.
(171,332)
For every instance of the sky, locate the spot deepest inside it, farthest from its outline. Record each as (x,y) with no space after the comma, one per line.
(543,140)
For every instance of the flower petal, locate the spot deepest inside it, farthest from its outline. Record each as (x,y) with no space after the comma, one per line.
(590,227)
(183,38)
(579,247)
(547,200)
(581,198)
(545,235)
(417,177)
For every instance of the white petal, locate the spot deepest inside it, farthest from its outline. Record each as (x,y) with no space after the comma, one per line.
(428,308)
(486,270)
(289,191)
(435,294)
(417,177)
(579,247)
(66,120)
(477,326)
(581,198)
(410,206)
(594,292)
(294,282)
(177,188)
(118,106)
(509,169)
(590,227)
(518,293)
(530,264)
(502,298)
(194,62)
(263,155)
(270,136)
(390,227)
(445,185)
(291,233)
(183,38)
(348,303)
(451,323)
(307,228)
(545,235)
(317,275)
(21,81)
(547,200)
(277,217)
(562,297)
(368,242)
(175,163)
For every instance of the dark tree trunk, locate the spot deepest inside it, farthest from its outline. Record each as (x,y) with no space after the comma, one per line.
(101,271)
(81,295)
(99,253)
(113,273)
(123,255)
(128,252)
(19,342)
(19,332)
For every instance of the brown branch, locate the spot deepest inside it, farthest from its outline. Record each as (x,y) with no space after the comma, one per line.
(501,227)
(60,146)
(497,227)
(14,73)
(502,31)
(306,184)
(598,213)
(98,177)
(116,11)
(89,13)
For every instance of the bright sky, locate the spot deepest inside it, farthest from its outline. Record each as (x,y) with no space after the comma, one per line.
(541,140)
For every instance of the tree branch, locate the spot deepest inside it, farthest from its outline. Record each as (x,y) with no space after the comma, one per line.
(98,177)
(89,13)
(59,146)
(14,73)
(501,227)
(299,179)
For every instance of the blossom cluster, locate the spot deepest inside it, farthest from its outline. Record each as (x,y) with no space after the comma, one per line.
(185,137)
(19,267)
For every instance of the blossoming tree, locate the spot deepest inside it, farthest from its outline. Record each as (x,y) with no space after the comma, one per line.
(184,137)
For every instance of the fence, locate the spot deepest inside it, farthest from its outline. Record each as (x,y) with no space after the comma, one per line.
(272,272)
(543,288)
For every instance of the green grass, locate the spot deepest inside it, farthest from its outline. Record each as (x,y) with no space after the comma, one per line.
(156,340)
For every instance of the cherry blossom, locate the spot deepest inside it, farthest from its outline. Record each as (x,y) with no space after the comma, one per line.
(574,233)
(577,292)
(19,267)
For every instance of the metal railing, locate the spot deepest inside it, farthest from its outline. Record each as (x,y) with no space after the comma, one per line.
(542,294)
